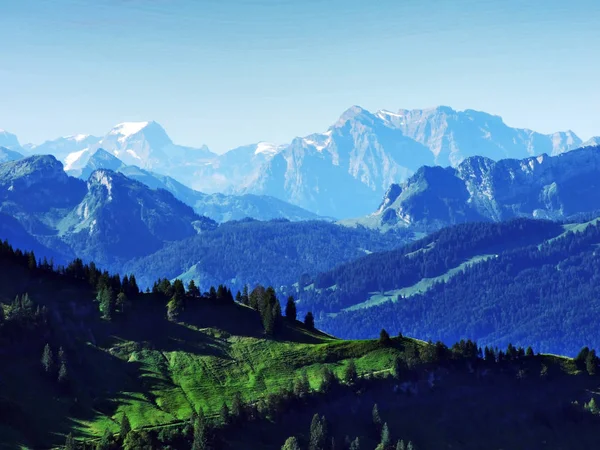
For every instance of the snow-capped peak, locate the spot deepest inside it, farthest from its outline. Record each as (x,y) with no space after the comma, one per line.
(386,113)
(126,129)
(267,148)
(77,137)
(73,157)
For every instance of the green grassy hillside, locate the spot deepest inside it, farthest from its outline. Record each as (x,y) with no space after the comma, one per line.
(160,373)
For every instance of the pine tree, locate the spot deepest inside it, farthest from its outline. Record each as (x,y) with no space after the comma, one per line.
(302,386)
(591,362)
(309,321)
(318,433)
(291,443)
(237,407)
(125,427)
(134,289)
(385,436)
(238,297)
(70,442)
(290,309)
(63,374)
(47,360)
(355,445)
(350,374)
(174,308)
(122,302)
(376,417)
(328,379)
(107,302)
(384,337)
(529,352)
(105,441)
(410,446)
(224,413)
(200,441)
(398,367)
(400,445)
(245,299)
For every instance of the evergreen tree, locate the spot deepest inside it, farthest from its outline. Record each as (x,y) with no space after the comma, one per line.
(291,443)
(318,436)
(376,417)
(47,360)
(105,441)
(591,362)
(529,352)
(125,427)
(245,298)
(107,302)
(328,379)
(290,309)
(384,337)
(238,297)
(355,445)
(302,386)
(581,357)
(122,302)
(200,441)
(398,367)
(386,440)
(309,321)
(410,446)
(237,407)
(178,289)
(70,442)
(400,445)
(63,374)
(174,308)
(224,413)
(350,374)
(134,289)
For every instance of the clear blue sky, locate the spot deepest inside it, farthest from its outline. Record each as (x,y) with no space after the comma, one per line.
(231,72)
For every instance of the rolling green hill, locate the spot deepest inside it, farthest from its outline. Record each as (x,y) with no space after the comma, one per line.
(160,369)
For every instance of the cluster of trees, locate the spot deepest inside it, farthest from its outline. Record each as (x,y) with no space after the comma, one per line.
(538,294)
(54,368)
(22,318)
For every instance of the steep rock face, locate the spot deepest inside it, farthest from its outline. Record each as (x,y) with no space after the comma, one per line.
(9,141)
(7,155)
(38,183)
(235,170)
(341,172)
(124,218)
(453,135)
(218,207)
(482,189)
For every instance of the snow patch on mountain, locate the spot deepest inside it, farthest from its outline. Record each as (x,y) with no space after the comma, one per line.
(72,158)
(267,148)
(126,129)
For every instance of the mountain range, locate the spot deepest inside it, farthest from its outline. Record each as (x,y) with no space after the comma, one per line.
(481,189)
(108,218)
(342,172)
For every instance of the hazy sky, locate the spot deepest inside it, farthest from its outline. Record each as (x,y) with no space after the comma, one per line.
(231,72)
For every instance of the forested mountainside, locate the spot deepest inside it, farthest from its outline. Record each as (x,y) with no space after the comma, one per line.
(115,368)
(274,253)
(117,221)
(517,281)
(482,189)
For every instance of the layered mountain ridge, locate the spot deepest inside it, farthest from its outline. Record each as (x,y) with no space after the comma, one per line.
(341,172)
(548,187)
